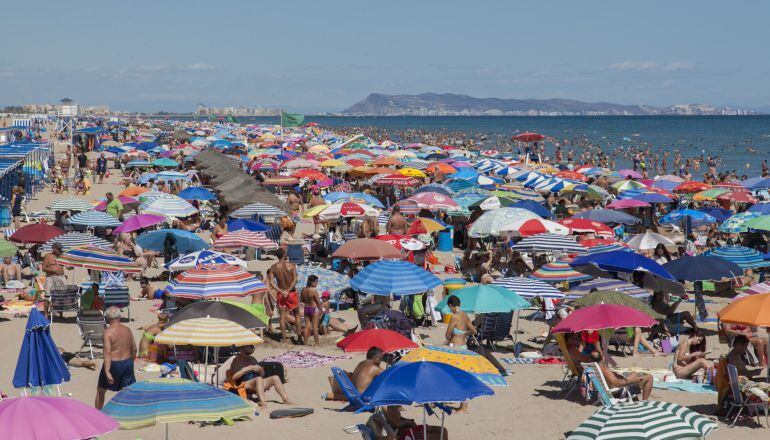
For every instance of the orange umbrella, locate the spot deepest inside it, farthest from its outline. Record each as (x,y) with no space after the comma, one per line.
(750,310)
(692,187)
(442,167)
(387,162)
(574,175)
(309,174)
(133,191)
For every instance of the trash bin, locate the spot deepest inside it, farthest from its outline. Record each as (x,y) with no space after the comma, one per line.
(444,241)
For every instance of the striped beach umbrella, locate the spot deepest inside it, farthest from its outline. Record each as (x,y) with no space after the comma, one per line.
(549,243)
(387,277)
(465,360)
(259,209)
(149,402)
(138,163)
(737,223)
(558,272)
(244,238)
(744,257)
(606,284)
(170,206)
(644,420)
(529,288)
(71,204)
(330,280)
(95,219)
(208,332)
(73,239)
(203,258)
(98,259)
(215,281)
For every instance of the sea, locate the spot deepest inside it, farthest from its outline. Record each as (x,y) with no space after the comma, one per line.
(742,142)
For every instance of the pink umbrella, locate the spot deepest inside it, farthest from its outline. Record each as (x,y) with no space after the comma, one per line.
(138,222)
(627,203)
(603,317)
(630,173)
(433,200)
(243,237)
(52,418)
(125,200)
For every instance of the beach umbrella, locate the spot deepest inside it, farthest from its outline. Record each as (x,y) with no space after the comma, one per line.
(466,360)
(387,277)
(170,206)
(207,332)
(434,201)
(615,297)
(214,281)
(549,242)
(366,249)
(625,185)
(533,206)
(138,163)
(237,224)
(691,187)
(737,196)
(165,162)
(761,208)
(63,418)
(244,238)
(737,223)
(645,196)
(587,226)
(71,204)
(7,249)
(168,176)
(698,218)
(603,317)
(627,203)
(184,241)
(756,183)
(36,233)
(39,363)
(720,214)
(760,223)
(328,280)
(758,288)
(485,299)
(709,194)
(133,191)
(72,240)
(422,225)
(219,310)
(98,259)
(202,258)
(384,339)
(94,219)
(753,310)
(557,272)
(358,197)
(702,267)
(607,216)
(609,264)
(648,240)
(607,285)
(528,136)
(528,288)
(647,420)
(196,193)
(627,173)
(128,203)
(257,209)
(149,196)
(166,401)
(139,221)
(744,257)
(347,210)
(499,222)
(537,226)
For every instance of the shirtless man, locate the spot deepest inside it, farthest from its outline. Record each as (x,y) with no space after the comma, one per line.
(119,353)
(636,383)
(54,272)
(362,376)
(10,270)
(245,370)
(295,203)
(396,222)
(316,200)
(283,280)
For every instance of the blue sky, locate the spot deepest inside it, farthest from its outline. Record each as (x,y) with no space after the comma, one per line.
(326,55)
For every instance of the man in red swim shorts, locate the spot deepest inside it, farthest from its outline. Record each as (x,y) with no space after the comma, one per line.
(283,279)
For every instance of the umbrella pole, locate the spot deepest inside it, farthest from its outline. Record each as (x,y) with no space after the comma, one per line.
(516,332)
(424,423)
(441,435)
(166,431)
(206,360)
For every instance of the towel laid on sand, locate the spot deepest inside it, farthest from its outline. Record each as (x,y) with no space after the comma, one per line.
(304,359)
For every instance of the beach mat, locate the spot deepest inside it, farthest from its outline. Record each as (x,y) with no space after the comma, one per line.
(290,413)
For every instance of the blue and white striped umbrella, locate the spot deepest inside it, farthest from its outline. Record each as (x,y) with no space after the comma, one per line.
(170,206)
(330,280)
(529,288)
(260,209)
(95,219)
(608,248)
(387,277)
(489,165)
(71,204)
(72,240)
(744,257)
(138,163)
(608,284)
(171,175)
(549,243)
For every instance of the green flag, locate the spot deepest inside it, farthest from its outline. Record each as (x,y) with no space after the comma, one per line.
(292,119)
(231,120)
(211,117)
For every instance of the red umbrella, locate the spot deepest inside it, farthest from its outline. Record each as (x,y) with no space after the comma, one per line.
(402,242)
(37,233)
(584,225)
(355,162)
(541,226)
(366,249)
(594,242)
(396,179)
(692,187)
(385,340)
(603,317)
(574,175)
(528,137)
(243,237)
(738,196)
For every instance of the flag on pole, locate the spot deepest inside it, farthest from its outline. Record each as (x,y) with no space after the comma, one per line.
(231,120)
(292,119)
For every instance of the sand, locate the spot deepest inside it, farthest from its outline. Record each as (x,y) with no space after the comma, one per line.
(530,407)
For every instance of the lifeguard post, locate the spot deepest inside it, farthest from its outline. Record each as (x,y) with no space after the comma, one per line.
(67,113)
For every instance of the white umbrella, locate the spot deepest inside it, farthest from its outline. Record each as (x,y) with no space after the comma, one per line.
(500,221)
(648,240)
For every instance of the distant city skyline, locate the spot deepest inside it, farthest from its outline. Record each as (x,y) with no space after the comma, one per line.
(318,57)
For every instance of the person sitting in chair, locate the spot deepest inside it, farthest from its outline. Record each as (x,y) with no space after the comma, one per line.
(246,371)
(636,383)
(362,376)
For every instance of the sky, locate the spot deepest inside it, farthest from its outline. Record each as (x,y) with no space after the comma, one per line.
(323,56)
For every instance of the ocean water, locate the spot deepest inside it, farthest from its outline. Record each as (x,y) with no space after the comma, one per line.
(741,142)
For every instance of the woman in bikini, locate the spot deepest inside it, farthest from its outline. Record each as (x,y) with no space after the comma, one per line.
(691,356)
(220,228)
(313,308)
(459,326)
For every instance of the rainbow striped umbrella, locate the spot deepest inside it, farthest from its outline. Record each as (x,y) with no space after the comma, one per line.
(244,238)
(215,281)
(98,259)
(208,332)
(149,402)
(465,360)
(558,272)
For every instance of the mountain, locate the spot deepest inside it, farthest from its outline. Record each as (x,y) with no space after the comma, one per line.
(448,104)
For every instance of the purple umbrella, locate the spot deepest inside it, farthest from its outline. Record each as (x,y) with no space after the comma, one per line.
(52,418)
(168,153)
(138,222)
(630,173)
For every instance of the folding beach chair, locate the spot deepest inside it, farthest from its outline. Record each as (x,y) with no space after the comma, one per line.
(116,296)
(606,394)
(63,299)
(350,391)
(295,254)
(495,327)
(740,401)
(365,431)
(91,325)
(572,373)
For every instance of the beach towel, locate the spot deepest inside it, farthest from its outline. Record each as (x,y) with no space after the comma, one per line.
(518,361)
(687,386)
(305,359)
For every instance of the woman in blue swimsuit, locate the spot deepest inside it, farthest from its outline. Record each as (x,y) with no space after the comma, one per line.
(459,326)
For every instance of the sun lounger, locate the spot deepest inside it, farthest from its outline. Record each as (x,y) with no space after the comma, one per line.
(738,400)
(91,325)
(495,327)
(572,373)
(606,394)
(350,391)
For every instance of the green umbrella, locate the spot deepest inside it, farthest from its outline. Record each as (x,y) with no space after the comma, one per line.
(7,249)
(762,223)
(615,297)
(258,310)
(485,298)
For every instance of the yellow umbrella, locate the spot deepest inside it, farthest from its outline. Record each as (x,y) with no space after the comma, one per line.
(314,211)
(207,332)
(319,148)
(332,163)
(412,172)
(465,360)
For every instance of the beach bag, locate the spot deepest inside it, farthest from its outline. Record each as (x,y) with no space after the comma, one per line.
(417,309)
(586,387)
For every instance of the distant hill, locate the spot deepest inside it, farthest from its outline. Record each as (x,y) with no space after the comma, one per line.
(448,104)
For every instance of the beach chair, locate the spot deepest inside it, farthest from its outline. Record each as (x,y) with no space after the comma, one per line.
(365,431)
(62,300)
(571,373)
(350,391)
(495,327)
(740,401)
(91,325)
(619,341)
(116,296)
(295,254)
(606,394)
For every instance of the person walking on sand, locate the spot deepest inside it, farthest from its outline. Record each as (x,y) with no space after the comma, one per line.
(283,279)
(101,167)
(313,308)
(119,353)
